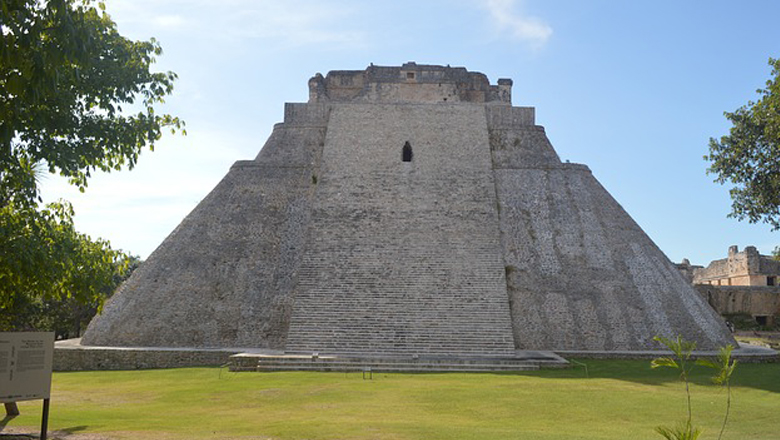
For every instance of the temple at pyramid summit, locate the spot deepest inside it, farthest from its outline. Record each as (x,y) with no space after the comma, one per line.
(400,211)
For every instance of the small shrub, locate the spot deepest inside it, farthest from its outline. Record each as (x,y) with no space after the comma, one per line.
(724,366)
(680,432)
(741,321)
(681,360)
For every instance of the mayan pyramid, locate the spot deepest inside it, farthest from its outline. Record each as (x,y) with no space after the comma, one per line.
(407,210)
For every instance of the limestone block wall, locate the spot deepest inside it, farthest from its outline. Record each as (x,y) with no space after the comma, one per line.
(715,270)
(305,115)
(413,92)
(502,117)
(405,257)
(225,276)
(410,83)
(768,265)
(112,358)
(687,269)
(581,274)
(753,300)
(523,147)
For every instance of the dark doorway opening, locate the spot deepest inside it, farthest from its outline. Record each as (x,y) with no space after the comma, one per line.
(406,152)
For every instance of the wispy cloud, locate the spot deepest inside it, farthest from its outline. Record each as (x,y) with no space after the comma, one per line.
(507,18)
(297,23)
(288,23)
(137,209)
(169,21)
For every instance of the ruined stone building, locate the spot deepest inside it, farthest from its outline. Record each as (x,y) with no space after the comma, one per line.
(407,210)
(743,283)
(746,268)
(687,269)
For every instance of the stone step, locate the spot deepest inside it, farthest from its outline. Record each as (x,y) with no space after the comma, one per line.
(444,338)
(245,362)
(421,341)
(400,368)
(402,350)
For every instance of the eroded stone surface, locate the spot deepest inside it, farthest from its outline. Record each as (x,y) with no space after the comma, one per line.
(481,243)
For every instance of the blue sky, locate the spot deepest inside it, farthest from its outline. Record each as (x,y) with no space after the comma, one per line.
(632,89)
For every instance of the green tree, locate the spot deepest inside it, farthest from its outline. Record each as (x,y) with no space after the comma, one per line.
(43,258)
(65,75)
(749,156)
(67,317)
(75,97)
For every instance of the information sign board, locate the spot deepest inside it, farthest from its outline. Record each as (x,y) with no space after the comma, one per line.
(25,366)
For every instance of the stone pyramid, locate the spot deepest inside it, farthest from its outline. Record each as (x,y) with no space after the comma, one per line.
(407,210)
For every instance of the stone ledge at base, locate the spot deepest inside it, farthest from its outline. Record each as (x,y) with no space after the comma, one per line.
(525,360)
(70,355)
(746,353)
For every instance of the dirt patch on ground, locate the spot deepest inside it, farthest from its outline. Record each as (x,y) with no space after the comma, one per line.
(763,338)
(25,434)
(9,433)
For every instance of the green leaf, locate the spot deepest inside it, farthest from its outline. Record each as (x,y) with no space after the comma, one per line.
(664,362)
(682,431)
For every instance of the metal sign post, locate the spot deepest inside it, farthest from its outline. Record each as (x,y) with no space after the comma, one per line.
(45,419)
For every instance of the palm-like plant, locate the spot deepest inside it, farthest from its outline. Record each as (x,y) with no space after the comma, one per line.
(724,365)
(681,360)
(684,431)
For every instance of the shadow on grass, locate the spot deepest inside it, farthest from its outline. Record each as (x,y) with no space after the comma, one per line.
(20,436)
(73,429)
(759,376)
(5,421)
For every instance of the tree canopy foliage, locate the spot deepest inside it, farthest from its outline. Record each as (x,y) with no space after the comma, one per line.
(48,270)
(749,156)
(75,97)
(66,77)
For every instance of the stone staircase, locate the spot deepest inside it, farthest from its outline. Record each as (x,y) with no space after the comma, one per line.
(523,361)
(404,258)
(395,320)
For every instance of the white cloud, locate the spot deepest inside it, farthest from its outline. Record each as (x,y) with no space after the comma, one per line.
(169,21)
(531,30)
(297,23)
(287,23)
(137,209)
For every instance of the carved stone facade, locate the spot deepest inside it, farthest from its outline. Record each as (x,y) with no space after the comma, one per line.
(401,211)
(743,283)
(410,83)
(746,268)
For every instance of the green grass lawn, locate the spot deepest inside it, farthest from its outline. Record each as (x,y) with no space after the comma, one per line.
(618,400)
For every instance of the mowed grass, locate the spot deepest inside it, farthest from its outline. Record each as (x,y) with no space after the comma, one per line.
(617,400)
